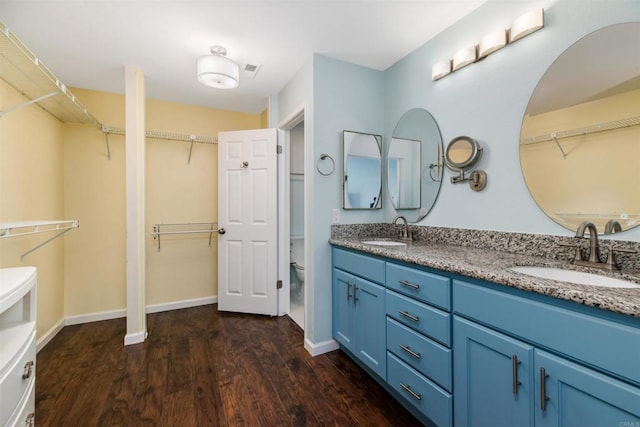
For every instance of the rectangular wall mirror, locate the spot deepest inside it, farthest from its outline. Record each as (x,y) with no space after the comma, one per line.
(362,174)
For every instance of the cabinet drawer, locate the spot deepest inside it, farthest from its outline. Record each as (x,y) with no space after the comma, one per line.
(427,397)
(427,287)
(429,358)
(421,317)
(610,346)
(24,414)
(12,385)
(360,265)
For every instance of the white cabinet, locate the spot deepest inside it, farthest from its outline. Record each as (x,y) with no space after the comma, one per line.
(18,349)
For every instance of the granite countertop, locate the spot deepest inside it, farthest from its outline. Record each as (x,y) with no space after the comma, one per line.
(493,266)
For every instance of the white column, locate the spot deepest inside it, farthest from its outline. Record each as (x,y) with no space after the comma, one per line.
(135,154)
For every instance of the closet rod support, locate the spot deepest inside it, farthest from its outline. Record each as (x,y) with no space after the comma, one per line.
(193,139)
(27,103)
(554,137)
(45,242)
(105,129)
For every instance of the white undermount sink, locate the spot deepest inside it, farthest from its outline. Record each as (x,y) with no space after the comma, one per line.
(383,243)
(573,276)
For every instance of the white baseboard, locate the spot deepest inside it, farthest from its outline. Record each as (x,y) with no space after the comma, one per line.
(136,338)
(48,336)
(117,314)
(94,317)
(157,308)
(321,347)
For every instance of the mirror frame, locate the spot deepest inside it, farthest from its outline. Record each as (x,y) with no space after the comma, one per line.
(377,204)
(476,153)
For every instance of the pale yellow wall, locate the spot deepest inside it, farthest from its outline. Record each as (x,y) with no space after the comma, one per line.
(95,195)
(31,188)
(264,119)
(175,191)
(575,184)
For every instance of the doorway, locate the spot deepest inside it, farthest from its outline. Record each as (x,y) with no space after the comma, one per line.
(297,275)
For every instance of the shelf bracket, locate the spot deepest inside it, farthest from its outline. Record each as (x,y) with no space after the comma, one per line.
(553,136)
(105,129)
(45,242)
(193,139)
(27,103)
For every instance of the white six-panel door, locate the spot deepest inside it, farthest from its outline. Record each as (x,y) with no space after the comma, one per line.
(247,211)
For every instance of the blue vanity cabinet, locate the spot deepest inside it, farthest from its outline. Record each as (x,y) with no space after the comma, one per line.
(520,361)
(359,307)
(419,359)
(493,377)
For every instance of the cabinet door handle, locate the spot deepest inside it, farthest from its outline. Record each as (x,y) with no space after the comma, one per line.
(413,394)
(543,389)
(355,289)
(411,352)
(28,370)
(409,316)
(409,284)
(514,373)
(348,291)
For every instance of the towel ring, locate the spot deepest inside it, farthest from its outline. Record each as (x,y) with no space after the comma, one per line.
(333,165)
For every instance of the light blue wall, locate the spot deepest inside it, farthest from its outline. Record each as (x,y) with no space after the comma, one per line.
(350,97)
(487,100)
(337,96)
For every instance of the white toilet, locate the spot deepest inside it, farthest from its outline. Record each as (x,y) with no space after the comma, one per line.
(299,275)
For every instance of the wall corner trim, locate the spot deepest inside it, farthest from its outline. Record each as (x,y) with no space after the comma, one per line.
(321,347)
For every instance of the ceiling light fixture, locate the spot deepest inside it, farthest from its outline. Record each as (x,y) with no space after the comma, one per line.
(216,70)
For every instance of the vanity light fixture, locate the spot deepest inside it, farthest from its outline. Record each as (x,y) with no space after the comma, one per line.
(216,70)
(492,42)
(496,40)
(526,24)
(464,57)
(440,69)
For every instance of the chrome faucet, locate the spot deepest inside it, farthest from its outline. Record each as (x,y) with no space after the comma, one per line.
(612,226)
(594,248)
(405,231)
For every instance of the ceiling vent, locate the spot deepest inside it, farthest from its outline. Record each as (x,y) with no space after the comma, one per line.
(250,70)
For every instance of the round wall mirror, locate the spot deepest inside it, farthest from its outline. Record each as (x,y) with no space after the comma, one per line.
(414,164)
(579,149)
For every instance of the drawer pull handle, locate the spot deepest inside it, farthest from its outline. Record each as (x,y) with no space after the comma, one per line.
(28,370)
(409,284)
(413,394)
(411,352)
(30,420)
(355,289)
(409,316)
(348,291)
(543,389)
(514,373)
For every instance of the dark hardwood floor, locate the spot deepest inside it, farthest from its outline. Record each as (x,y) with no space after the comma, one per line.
(203,368)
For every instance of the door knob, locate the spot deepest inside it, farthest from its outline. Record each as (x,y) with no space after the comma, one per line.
(221,231)
(244,165)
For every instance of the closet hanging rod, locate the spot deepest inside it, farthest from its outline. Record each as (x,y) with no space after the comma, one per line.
(213,228)
(586,130)
(170,136)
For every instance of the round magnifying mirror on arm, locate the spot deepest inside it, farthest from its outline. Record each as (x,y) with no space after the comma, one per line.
(463,153)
